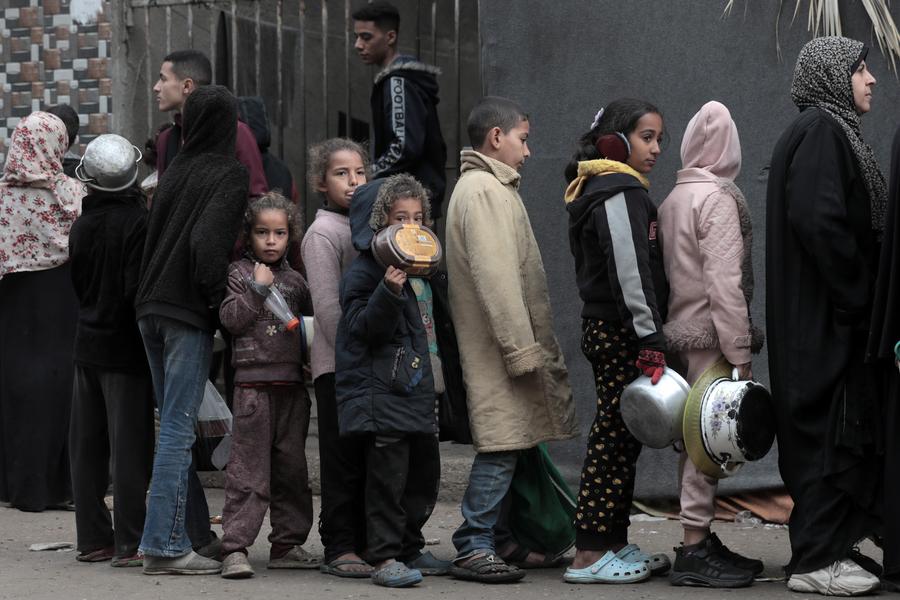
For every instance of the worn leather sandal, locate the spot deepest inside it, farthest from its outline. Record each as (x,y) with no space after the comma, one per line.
(517,555)
(609,569)
(296,558)
(98,555)
(486,568)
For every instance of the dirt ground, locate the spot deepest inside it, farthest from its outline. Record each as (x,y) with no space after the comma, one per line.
(54,574)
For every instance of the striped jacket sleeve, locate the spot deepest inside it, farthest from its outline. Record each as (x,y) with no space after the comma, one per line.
(406,113)
(624,225)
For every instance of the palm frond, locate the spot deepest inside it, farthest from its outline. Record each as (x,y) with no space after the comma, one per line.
(885,29)
(824,18)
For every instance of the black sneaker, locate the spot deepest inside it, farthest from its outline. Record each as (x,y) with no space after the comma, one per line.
(700,565)
(741,562)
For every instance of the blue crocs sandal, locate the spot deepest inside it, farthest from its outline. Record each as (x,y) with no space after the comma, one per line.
(396,575)
(609,569)
(659,564)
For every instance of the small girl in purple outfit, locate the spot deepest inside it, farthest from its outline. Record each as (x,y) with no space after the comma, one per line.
(267,467)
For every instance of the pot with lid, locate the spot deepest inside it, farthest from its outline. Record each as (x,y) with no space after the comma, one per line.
(414,249)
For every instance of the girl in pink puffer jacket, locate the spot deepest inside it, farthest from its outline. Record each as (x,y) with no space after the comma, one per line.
(706,236)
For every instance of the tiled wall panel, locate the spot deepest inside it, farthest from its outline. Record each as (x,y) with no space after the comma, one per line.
(47,58)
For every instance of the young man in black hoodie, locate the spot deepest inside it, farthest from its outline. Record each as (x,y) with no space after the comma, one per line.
(407,131)
(112,400)
(193,224)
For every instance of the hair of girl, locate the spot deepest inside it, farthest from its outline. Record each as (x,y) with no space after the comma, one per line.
(270,201)
(394,188)
(619,116)
(319,157)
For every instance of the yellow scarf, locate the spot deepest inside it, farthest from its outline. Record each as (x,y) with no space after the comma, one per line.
(603,166)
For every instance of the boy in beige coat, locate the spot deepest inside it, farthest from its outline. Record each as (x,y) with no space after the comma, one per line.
(516,381)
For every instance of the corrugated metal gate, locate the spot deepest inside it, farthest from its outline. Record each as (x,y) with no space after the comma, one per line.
(298,55)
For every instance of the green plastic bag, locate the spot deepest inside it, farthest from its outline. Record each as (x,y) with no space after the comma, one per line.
(542,507)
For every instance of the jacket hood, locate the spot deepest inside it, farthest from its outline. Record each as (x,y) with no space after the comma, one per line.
(711,142)
(424,75)
(361,233)
(598,190)
(209,121)
(252,111)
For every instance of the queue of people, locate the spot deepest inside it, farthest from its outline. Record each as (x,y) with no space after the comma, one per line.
(665,287)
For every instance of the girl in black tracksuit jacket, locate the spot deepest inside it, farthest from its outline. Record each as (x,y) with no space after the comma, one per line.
(620,277)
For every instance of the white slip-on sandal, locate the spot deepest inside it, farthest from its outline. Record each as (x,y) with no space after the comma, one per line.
(609,569)
(659,564)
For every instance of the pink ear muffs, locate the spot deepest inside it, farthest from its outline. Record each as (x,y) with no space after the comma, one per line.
(613,146)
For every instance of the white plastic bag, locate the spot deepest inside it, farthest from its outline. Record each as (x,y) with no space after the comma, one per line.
(213,430)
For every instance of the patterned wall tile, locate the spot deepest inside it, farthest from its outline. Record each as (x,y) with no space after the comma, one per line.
(47,59)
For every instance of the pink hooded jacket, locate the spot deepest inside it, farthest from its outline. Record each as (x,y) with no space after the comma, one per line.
(704,242)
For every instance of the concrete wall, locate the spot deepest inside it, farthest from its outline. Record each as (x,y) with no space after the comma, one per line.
(563,61)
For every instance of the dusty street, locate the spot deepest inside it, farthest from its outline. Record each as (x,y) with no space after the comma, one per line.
(51,574)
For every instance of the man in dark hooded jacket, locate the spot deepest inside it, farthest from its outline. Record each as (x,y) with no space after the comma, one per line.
(405,124)
(191,230)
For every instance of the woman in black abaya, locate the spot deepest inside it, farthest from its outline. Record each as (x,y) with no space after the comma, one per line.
(825,212)
(38,311)
(885,336)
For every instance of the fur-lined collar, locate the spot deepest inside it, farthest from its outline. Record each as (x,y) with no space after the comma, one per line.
(406,64)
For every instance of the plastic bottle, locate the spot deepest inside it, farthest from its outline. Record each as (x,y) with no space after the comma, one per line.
(276,303)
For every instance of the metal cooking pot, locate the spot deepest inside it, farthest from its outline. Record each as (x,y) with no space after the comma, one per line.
(654,413)
(109,164)
(411,248)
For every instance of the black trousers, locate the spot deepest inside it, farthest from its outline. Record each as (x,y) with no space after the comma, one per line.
(342,463)
(111,423)
(196,511)
(402,480)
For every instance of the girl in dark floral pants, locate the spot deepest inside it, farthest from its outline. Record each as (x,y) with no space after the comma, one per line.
(607,478)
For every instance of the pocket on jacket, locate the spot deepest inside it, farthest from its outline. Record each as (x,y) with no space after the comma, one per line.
(398,368)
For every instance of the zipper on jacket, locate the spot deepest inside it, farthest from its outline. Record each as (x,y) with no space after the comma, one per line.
(398,359)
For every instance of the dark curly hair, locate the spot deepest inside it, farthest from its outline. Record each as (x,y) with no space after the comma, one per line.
(620,116)
(270,201)
(394,188)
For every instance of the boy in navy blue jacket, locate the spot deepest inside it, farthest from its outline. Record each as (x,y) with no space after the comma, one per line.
(387,376)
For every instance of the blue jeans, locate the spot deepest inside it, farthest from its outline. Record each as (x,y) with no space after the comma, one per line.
(179,357)
(489,482)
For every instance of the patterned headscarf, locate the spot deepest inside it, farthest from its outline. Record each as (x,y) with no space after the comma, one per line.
(38,203)
(822,79)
